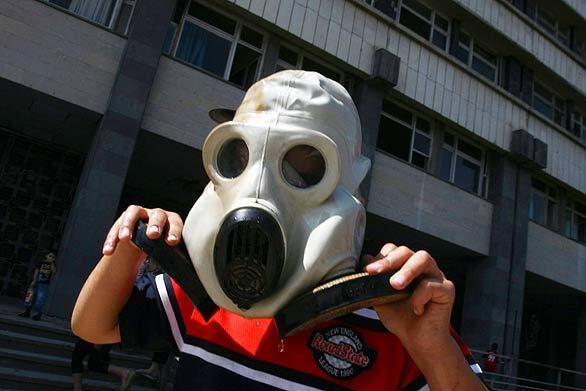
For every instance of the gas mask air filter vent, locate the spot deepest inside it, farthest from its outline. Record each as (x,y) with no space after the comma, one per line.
(248,255)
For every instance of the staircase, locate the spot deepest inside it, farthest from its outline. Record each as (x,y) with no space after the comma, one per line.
(35,355)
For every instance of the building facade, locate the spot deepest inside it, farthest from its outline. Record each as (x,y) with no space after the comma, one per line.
(473,113)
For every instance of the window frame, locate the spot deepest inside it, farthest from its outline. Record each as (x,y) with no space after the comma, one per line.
(573,234)
(432,22)
(233,39)
(547,197)
(482,185)
(413,127)
(301,55)
(554,103)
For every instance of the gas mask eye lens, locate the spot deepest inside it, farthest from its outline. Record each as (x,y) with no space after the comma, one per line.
(232,158)
(303,166)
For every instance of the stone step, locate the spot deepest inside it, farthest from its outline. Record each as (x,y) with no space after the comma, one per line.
(40,328)
(19,379)
(58,348)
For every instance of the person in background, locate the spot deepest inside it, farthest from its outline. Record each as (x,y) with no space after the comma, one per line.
(490,359)
(39,287)
(98,361)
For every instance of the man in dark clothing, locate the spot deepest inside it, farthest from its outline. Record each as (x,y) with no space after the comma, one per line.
(39,288)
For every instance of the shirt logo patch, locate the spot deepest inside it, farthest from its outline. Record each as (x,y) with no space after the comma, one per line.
(341,352)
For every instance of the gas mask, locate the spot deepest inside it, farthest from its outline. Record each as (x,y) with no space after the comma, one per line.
(279,215)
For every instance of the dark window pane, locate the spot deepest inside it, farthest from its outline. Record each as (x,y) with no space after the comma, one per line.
(212,18)
(169,37)
(538,185)
(419,160)
(483,68)
(415,23)
(123,19)
(244,66)
(419,8)
(467,174)
(446,164)
(461,54)
(439,39)
(288,55)
(251,37)
(310,65)
(470,150)
(394,138)
(552,211)
(441,22)
(421,143)
(537,208)
(580,228)
(543,93)
(61,3)
(203,49)
(542,106)
(422,125)
(580,208)
(449,139)
(568,223)
(397,111)
(464,39)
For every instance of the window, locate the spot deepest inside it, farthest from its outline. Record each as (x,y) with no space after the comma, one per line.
(462,164)
(548,104)
(220,45)
(425,22)
(543,204)
(477,57)
(551,25)
(293,59)
(579,126)
(484,62)
(405,135)
(114,14)
(575,221)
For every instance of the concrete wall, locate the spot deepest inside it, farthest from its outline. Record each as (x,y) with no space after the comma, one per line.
(351,31)
(402,193)
(556,257)
(58,54)
(180,100)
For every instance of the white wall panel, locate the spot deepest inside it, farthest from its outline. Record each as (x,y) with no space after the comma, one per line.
(58,54)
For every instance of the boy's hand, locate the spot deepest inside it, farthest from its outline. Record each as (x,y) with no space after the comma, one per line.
(422,321)
(159,221)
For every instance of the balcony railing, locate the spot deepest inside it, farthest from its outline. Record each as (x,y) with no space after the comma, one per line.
(515,374)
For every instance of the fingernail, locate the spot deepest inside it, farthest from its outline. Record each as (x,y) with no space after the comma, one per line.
(172,237)
(108,246)
(373,267)
(153,229)
(397,281)
(417,311)
(125,232)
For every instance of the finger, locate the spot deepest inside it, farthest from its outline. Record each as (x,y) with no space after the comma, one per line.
(112,238)
(384,251)
(366,259)
(392,261)
(129,219)
(432,290)
(420,263)
(175,228)
(156,223)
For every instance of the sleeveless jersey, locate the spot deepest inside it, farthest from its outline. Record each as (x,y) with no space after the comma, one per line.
(231,352)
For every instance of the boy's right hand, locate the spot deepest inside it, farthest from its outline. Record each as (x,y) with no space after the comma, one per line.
(159,221)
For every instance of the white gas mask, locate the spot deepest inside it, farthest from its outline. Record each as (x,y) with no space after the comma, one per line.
(280,213)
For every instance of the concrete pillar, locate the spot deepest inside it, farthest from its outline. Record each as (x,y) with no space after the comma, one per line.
(581,345)
(102,180)
(493,300)
(368,97)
